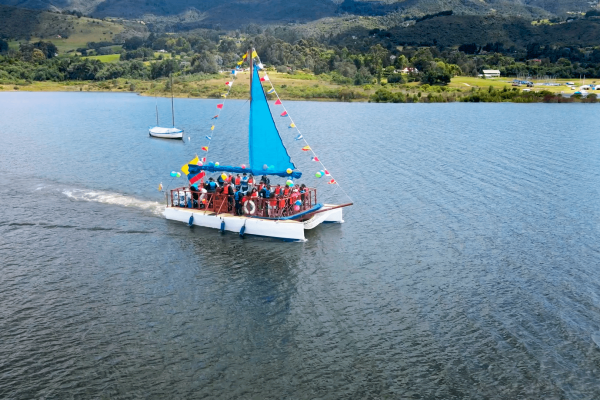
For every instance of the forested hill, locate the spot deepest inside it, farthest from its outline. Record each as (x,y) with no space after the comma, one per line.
(233,13)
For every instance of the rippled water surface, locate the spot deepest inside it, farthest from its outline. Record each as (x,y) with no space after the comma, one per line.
(469,266)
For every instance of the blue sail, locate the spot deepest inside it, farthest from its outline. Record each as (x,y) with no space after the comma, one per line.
(265,145)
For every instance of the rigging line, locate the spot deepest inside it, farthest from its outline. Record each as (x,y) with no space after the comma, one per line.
(304,139)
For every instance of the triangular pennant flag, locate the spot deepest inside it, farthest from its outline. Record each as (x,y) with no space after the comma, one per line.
(209,137)
(220,106)
(292,125)
(261,66)
(185,169)
(212,128)
(284,114)
(215,117)
(278,102)
(240,62)
(315,159)
(254,54)
(299,137)
(306,148)
(264,78)
(205,148)
(332,182)
(160,187)
(271,91)
(229,84)
(245,56)
(233,72)
(203,159)
(327,173)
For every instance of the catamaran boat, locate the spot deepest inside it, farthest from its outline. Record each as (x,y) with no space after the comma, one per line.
(166,133)
(286,216)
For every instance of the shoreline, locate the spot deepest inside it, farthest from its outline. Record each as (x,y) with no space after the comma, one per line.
(211,89)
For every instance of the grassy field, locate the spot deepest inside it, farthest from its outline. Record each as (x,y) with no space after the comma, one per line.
(466,82)
(288,87)
(80,31)
(110,58)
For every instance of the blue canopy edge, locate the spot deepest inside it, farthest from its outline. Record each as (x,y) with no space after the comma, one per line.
(194,169)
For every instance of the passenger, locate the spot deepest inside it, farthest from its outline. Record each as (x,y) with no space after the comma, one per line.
(220,181)
(230,191)
(238,181)
(278,190)
(251,183)
(273,204)
(212,185)
(194,189)
(244,183)
(265,180)
(303,194)
(238,202)
(230,179)
(254,193)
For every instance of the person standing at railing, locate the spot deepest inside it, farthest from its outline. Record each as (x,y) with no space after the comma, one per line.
(238,202)
(244,183)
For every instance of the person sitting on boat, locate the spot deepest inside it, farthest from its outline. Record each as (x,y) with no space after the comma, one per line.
(230,179)
(265,180)
(220,181)
(211,185)
(238,201)
(278,190)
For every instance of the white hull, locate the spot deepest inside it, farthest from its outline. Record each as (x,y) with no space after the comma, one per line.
(166,133)
(281,229)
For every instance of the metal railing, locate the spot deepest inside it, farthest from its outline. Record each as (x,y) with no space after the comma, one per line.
(219,203)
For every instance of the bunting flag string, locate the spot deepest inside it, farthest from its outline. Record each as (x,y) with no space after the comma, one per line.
(220,106)
(293,125)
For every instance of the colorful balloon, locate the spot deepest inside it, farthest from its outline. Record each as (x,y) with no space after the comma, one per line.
(243,166)
(318,175)
(173,174)
(289,171)
(265,166)
(297,208)
(179,174)
(224,176)
(216,164)
(203,201)
(289,183)
(322,172)
(298,202)
(200,163)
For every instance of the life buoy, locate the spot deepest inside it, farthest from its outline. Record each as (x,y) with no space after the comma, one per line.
(251,210)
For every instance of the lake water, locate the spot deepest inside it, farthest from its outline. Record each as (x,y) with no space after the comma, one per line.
(467,268)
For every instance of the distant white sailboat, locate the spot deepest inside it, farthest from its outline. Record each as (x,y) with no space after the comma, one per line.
(166,133)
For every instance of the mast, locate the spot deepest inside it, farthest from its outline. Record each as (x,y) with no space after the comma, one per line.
(172,107)
(251,70)
(157,113)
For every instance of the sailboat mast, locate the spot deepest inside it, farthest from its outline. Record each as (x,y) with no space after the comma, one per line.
(172,107)
(251,70)
(157,113)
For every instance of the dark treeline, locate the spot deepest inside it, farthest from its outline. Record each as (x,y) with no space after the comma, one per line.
(369,60)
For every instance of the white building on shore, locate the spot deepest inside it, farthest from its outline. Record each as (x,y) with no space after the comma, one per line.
(491,73)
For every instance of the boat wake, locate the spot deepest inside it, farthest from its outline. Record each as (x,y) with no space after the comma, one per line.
(98,196)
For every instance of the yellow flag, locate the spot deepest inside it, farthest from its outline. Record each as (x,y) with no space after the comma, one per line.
(185,169)
(240,62)
(254,54)
(212,128)
(224,95)
(292,125)
(160,187)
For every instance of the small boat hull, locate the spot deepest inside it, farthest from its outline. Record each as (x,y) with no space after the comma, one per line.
(166,133)
(280,229)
